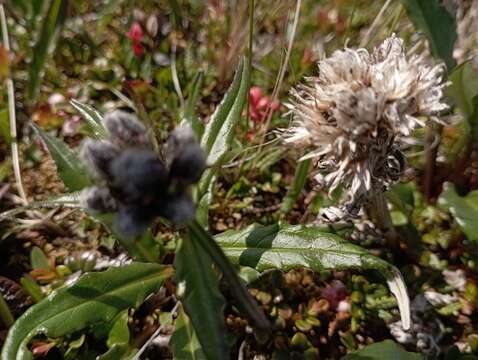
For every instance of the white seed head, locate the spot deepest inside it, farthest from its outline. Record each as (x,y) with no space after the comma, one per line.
(352,117)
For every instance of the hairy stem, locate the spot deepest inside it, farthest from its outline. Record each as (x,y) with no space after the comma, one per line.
(432,132)
(377,210)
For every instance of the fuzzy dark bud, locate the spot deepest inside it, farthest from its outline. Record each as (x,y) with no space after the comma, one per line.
(125,128)
(98,155)
(179,208)
(185,156)
(139,173)
(130,221)
(98,199)
(139,185)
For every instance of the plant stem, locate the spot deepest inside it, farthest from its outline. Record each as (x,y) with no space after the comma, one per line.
(378,211)
(245,301)
(431,151)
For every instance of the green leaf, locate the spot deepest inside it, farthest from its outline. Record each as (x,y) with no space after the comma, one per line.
(94,120)
(6,316)
(383,350)
(70,168)
(38,259)
(74,345)
(184,340)
(32,288)
(463,208)
(190,110)
(286,247)
(464,87)
(401,196)
(219,131)
(300,178)
(45,44)
(94,298)
(119,332)
(202,299)
(202,211)
(437,24)
(237,288)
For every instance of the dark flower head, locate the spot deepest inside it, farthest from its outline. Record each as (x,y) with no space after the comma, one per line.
(184,156)
(136,183)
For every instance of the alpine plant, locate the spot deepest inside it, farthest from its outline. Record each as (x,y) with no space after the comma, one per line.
(354,116)
(136,183)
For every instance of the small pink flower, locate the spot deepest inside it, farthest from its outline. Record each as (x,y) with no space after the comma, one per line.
(260,105)
(135,32)
(255,94)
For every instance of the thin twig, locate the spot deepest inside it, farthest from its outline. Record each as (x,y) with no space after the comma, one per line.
(12,114)
(374,25)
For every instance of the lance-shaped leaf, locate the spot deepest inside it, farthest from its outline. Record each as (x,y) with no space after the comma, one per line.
(94,298)
(189,115)
(437,24)
(70,167)
(287,247)
(219,131)
(45,44)
(202,299)
(94,120)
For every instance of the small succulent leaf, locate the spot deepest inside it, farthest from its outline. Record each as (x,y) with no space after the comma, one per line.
(190,116)
(70,168)
(32,288)
(286,247)
(438,25)
(202,299)
(51,25)
(383,350)
(95,297)
(38,259)
(184,341)
(94,120)
(463,208)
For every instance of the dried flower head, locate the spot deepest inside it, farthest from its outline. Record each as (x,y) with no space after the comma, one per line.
(353,116)
(136,183)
